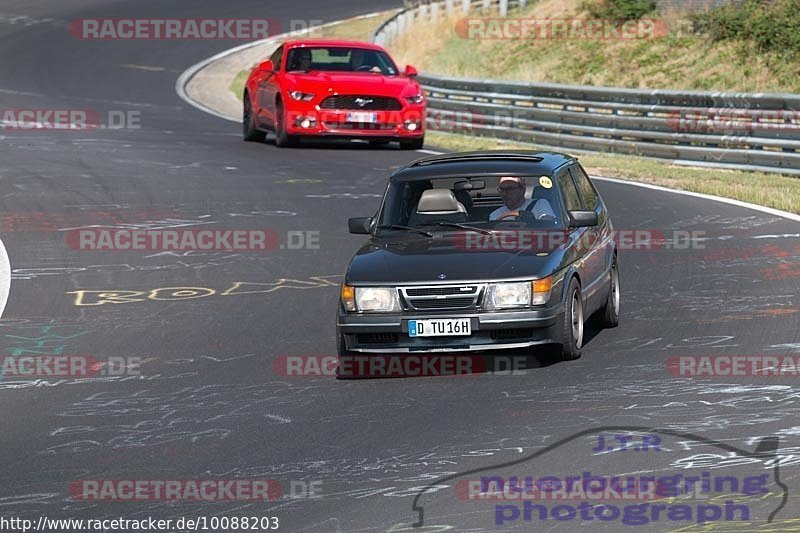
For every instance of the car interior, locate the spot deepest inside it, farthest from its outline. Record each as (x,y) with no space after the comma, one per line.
(339,60)
(456,200)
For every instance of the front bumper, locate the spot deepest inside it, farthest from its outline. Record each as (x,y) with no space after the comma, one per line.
(389,125)
(388,333)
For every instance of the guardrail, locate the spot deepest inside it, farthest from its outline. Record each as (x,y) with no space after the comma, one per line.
(736,130)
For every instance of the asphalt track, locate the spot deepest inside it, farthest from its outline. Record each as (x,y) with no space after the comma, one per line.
(209,404)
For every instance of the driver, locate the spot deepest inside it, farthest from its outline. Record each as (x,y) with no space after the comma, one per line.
(302,59)
(357,58)
(512,190)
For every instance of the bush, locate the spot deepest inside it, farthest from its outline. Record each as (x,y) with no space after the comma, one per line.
(619,9)
(772,25)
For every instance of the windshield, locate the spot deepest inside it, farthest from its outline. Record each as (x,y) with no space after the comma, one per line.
(340,59)
(481,202)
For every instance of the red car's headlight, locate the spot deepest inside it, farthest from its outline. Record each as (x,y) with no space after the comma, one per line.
(301,96)
(416,99)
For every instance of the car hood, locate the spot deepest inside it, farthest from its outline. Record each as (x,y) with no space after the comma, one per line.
(419,259)
(350,83)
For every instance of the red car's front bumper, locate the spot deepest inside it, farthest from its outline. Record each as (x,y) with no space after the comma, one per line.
(408,123)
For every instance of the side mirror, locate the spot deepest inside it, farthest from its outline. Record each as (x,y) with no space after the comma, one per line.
(359,225)
(411,71)
(582,219)
(267,66)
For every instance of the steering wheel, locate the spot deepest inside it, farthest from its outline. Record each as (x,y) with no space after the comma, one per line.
(364,68)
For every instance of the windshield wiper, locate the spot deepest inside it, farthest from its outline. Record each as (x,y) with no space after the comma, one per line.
(406,228)
(462,226)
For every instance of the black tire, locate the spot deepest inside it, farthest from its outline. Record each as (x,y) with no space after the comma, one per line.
(282,139)
(413,144)
(609,315)
(249,130)
(573,323)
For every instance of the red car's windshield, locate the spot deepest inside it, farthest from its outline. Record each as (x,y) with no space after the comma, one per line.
(340,59)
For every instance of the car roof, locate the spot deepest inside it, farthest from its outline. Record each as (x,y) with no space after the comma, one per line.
(483,163)
(293,43)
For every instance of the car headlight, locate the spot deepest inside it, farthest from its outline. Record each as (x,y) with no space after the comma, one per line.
(416,99)
(301,96)
(381,299)
(505,295)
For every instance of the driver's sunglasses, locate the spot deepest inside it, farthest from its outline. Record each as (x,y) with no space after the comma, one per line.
(511,188)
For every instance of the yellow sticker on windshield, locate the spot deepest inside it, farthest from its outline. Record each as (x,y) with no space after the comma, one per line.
(545,182)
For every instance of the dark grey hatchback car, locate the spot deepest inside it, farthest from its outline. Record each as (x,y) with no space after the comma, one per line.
(477,251)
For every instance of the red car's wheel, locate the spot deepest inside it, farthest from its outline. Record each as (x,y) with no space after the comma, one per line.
(413,144)
(282,139)
(249,130)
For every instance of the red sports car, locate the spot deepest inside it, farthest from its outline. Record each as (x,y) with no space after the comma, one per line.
(350,89)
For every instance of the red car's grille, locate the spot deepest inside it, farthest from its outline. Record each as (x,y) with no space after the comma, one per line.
(358,126)
(369,103)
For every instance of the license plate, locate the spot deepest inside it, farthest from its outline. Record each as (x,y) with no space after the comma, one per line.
(364,118)
(447,327)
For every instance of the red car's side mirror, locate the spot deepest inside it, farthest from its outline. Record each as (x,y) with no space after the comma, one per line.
(411,71)
(267,66)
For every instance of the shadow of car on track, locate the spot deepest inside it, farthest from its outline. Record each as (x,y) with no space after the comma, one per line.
(340,144)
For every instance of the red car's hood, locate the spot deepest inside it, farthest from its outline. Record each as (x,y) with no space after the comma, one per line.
(352,83)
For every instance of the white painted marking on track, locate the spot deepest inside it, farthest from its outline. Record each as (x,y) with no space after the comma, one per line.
(738,203)
(5,277)
(730,201)
(144,67)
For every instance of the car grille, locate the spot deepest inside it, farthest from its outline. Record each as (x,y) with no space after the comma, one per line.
(441,297)
(371,103)
(377,338)
(358,126)
(508,334)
